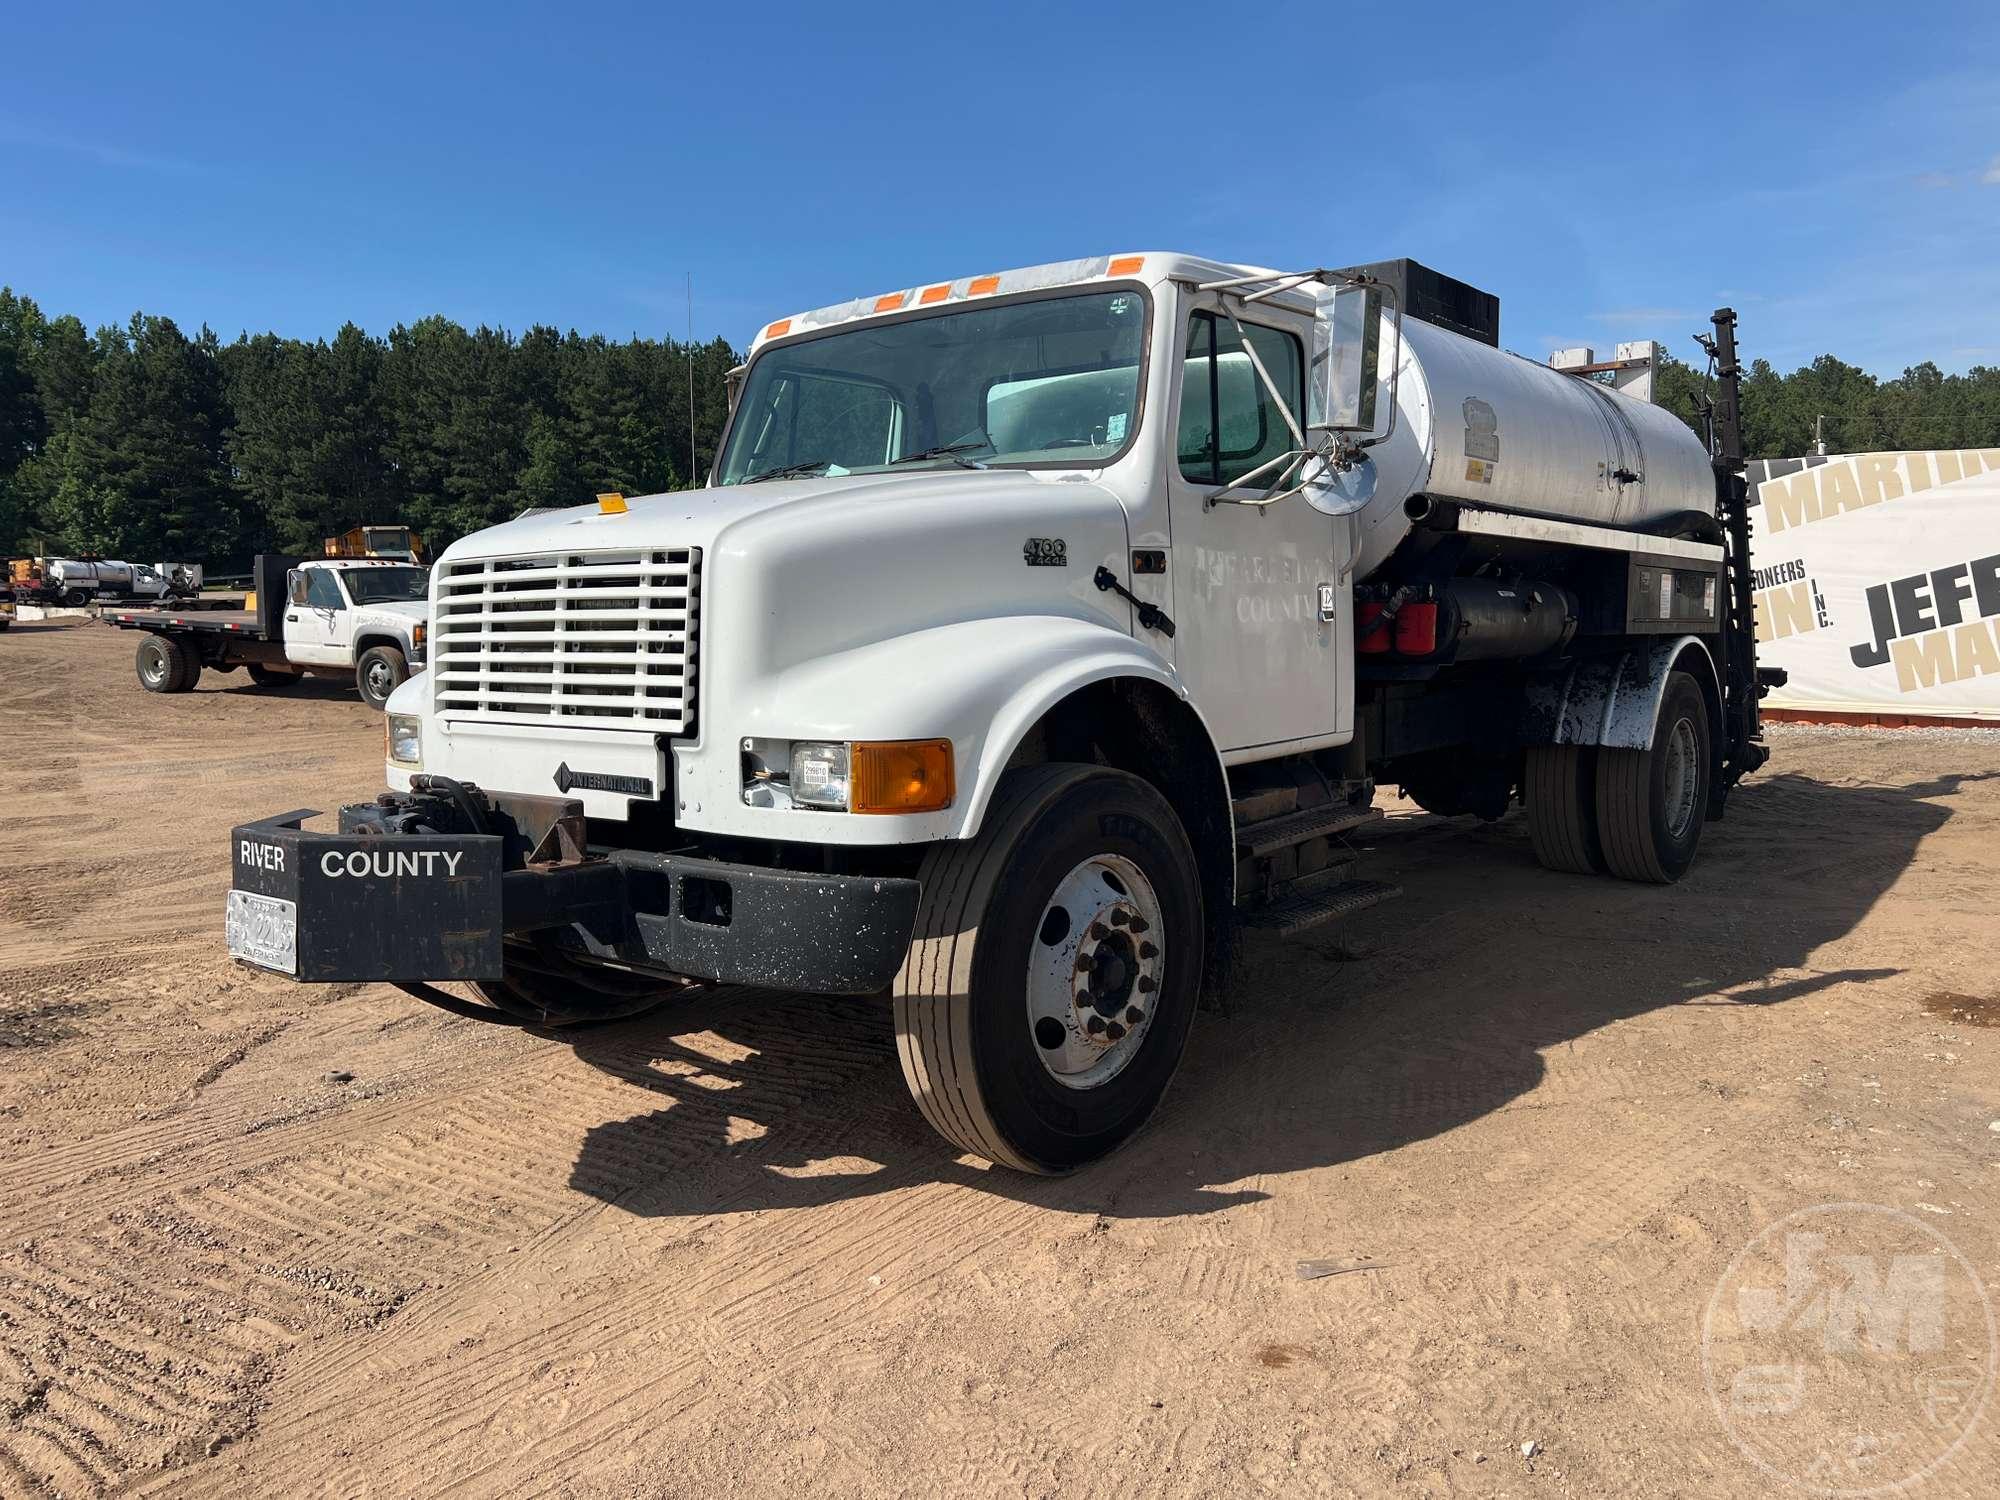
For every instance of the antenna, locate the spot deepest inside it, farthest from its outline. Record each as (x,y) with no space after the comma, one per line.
(690,310)
(1819,434)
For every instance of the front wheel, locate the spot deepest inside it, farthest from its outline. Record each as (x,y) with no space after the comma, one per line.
(379,673)
(1051,982)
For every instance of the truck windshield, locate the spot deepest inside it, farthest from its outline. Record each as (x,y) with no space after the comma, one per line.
(1054,380)
(388,585)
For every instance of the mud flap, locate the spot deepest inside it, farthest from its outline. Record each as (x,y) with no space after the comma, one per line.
(343,907)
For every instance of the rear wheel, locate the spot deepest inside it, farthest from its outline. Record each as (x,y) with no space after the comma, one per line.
(379,673)
(1556,786)
(1051,982)
(1650,803)
(271,677)
(167,665)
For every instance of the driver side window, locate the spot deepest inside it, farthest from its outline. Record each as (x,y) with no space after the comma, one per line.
(815,418)
(1228,423)
(323,590)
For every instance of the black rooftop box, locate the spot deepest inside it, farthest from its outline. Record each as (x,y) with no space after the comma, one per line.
(1439,299)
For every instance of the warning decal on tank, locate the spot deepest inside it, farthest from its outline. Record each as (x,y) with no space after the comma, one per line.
(1478,471)
(1482,431)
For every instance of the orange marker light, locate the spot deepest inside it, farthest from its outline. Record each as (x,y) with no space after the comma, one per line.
(981,286)
(1127,265)
(612,504)
(935,294)
(890,302)
(900,776)
(778,329)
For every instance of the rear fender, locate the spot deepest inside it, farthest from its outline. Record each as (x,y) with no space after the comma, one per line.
(1614,701)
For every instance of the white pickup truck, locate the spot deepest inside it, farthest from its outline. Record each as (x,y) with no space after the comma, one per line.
(321,617)
(1036,633)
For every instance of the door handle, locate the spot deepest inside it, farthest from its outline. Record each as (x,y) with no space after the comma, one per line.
(294,619)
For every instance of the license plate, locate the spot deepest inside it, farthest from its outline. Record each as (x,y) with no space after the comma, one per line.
(264,930)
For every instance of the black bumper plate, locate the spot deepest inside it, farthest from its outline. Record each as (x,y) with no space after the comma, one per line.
(341,907)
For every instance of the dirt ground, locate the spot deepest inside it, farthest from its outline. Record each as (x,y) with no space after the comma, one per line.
(257,1240)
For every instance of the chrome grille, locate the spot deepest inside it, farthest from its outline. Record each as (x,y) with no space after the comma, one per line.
(586,638)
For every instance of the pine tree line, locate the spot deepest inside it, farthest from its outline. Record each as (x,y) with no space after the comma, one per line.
(141,442)
(144,443)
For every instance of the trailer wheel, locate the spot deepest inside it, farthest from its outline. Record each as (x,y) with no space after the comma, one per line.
(1051,983)
(1650,803)
(166,665)
(1556,787)
(379,673)
(270,677)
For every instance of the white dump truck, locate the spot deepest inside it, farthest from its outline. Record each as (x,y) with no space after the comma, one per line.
(1035,634)
(351,617)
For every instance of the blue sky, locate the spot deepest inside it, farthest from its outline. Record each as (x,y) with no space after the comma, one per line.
(1611,171)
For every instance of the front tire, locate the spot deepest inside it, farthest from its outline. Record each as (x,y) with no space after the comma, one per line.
(379,672)
(1051,982)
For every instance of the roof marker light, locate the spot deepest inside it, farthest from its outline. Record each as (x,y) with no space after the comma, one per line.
(612,504)
(934,294)
(890,302)
(1127,265)
(981,286)
(778,329)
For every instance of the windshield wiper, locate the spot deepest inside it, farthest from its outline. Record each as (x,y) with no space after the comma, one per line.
(790,471)
(945,450)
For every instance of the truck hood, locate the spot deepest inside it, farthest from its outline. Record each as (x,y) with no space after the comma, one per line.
(698,518)
(402,610)
(795,573)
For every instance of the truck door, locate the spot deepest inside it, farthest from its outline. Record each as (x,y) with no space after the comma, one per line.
(1250,582)
(317,632)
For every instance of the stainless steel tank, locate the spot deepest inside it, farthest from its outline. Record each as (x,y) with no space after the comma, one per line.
(1493,429)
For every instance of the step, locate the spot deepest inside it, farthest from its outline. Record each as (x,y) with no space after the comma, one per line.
(1309,909)
(1259,839)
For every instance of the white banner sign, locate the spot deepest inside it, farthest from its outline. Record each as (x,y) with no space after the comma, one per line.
(1878,581)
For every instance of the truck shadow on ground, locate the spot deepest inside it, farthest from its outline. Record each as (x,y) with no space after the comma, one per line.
(1435,1012)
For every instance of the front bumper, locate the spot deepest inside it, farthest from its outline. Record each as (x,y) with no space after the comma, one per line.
(392,898)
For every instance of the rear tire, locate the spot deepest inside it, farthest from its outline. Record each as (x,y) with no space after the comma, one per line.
(1651,803)
(379,672)
(271,677)
(1003,1056)
(167,665)
(1556,788)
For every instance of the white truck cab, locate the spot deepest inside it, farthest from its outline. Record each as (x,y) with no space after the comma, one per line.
(1034,633)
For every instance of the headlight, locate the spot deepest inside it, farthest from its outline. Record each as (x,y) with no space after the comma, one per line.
(819,775)
(406,739)
(873,776)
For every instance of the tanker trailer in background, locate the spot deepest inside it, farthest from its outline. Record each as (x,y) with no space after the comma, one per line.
(1036,633)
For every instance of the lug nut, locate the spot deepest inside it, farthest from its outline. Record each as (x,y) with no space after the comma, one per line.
(1147,950)
(1099,931)
(1145,985)
(1115,1032)
(1118,917)
(1134,1015)
(1139,924)
(1095,1025)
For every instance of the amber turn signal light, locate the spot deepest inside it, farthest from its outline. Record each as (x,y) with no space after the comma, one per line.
(901,776)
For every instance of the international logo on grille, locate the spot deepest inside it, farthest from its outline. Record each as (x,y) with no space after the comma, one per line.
(602,781)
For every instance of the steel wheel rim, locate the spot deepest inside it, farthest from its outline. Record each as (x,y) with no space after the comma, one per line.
(378,678)
(1683,776)
(155,669)
(1096,963)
